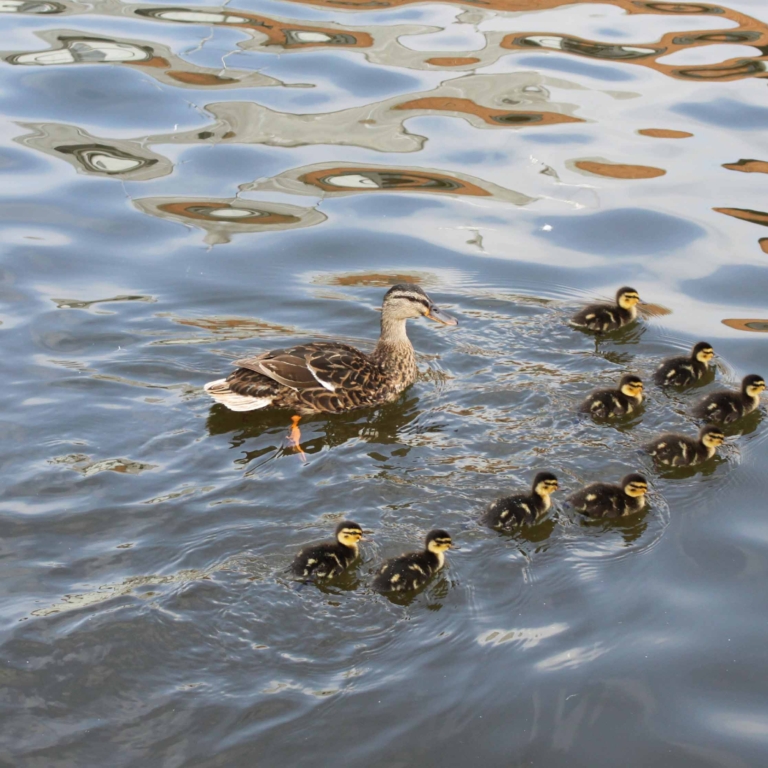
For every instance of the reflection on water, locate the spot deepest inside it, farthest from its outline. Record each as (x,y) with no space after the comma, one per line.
(382,46)
(745,214)
(157,60)
(754,34)
(748,166)
(30,6)
(664,133)
(91,155)
(268,32)
(519,100)
(618,170)
(758,326)
(330,179)
(221,219)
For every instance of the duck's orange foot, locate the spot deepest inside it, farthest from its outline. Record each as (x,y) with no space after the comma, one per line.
(294,438)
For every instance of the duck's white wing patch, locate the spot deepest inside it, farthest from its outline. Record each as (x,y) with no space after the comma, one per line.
(322,383)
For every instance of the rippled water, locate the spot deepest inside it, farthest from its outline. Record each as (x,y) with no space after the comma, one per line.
(185,184)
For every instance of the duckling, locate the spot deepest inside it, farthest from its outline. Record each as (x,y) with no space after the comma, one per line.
(726,406)
(330,558)
(601,500)
(682,371)
(614,403)
(524,508)
(680,451)
(609,317)
(414,569)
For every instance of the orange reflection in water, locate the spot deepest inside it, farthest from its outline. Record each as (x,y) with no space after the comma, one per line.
(748,166)
(208,212)
(748,31)
(284,34)
(745,214)
(664,133)
(452,61)
(377,180)
(753,324)
(620,171)
(491,116)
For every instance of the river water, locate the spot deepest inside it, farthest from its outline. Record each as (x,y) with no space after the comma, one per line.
(184,184)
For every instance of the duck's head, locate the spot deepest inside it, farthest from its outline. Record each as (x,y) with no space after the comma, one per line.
(753,385)
(635,485)
(631,386)
(439,541)
(627,297)
(408,300)
(544,484)
(348,533)
(703,352)
(711,436)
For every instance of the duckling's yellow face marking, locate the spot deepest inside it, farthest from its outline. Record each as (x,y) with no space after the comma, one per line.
(350,536)
(440,545)
(546,487)
(628,300)
(633,389)
(713,439)
(705,355)
(636,489)
(754,390)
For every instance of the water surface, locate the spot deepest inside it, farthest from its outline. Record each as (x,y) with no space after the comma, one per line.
(185,184)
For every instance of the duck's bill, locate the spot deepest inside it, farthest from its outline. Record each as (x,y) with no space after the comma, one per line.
(441,317)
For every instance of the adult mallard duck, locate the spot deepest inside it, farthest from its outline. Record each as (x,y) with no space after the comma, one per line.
(609,317)
(682,371)
(328,376)
(725,406)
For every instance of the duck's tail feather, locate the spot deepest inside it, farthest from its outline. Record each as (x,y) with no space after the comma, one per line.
(220,391)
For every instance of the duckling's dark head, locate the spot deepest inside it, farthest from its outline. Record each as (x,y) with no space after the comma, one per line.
(635,485)
(711,436)
(348,533)
(438,541)
(631,385)
(627,297)
(702,352)
(544,483)
(407,300)
(753,385)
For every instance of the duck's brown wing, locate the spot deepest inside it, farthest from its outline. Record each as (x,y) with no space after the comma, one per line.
(309,366)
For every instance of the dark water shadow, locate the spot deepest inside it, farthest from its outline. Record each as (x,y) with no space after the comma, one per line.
(381,424)
(434,591)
